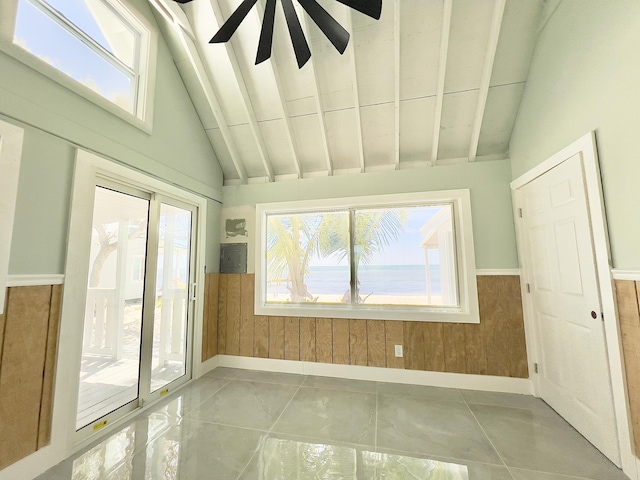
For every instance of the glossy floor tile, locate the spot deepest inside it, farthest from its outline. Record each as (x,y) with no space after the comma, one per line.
(418,425)
(332,415)
(243,425)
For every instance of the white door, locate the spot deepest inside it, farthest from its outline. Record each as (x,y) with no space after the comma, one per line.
(574,374)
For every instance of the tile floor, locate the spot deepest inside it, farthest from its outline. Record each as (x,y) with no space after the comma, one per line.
(246,425)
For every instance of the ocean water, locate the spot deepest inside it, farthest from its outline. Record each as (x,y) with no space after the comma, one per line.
(374,280)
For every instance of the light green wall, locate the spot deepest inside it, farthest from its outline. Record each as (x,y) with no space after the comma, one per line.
(494,235)
(585,76)
(55,118)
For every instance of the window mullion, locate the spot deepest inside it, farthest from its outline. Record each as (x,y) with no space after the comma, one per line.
(83,37)
(352,257)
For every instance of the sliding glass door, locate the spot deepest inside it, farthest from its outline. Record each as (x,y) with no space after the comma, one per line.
(138,304)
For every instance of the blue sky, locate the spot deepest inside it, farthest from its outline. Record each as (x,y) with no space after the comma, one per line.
(45,39)
(405,250)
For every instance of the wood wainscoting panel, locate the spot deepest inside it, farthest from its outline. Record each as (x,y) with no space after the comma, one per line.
(210,317)
(394,333)
(476,354)
(324,340)
(21,377)
(358,354)
(247,317)
(495,346)
(455,352)
(629,319)
(308,339)
(261,337)
(494,322)
(222,314)
(340,341)
(46,407)
(276,337)
(434,347)
(376,354)
(414,348)
(517,340)
(233,314)
(292,338)
(206,315)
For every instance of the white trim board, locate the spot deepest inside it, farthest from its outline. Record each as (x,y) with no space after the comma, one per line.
(619,274)
(34,280)
(497,271)
(586,147)
(377,374)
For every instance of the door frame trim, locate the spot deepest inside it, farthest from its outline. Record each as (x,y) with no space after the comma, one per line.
(587,148)
(90,170)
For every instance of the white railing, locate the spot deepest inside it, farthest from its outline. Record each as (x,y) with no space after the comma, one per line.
(173,320)
(102,326)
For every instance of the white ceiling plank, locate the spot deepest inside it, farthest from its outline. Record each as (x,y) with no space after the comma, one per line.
(246,100)
(356,92)
(396,46)
(485,83)
(194,56)
(442,70)
(316,90)
(259,13)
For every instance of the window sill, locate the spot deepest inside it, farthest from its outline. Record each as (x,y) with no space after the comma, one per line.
(417,314)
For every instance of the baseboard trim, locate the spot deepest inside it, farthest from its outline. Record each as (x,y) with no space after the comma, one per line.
(34,280)
(355,372)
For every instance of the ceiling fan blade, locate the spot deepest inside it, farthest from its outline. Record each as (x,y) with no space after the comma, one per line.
(233,22)
(300,45)
(182,1)
(372,8)
(329,26)
(266,34)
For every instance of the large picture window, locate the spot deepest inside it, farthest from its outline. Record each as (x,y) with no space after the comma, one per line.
(407,257)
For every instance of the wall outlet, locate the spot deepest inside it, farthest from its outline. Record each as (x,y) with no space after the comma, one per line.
(398,350)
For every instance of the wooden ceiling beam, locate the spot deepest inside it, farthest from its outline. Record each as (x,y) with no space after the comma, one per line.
(282,103)
(442,70)
(356,92)
(396,44)
(193,54)
(246,99)
(485,82)
(317,95)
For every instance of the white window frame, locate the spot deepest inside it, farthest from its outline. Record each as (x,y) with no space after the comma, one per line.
(144,68)
(10,154)
(467,311)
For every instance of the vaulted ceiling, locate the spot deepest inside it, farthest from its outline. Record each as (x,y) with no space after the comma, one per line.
(432,83)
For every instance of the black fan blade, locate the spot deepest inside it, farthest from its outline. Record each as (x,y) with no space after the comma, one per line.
(329,26)
(234,21)
(266,34)
(373,8)
(182,1)
(300,45)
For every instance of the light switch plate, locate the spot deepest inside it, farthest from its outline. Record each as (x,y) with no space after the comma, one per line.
(398,350)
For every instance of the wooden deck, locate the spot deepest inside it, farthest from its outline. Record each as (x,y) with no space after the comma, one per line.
(107,384)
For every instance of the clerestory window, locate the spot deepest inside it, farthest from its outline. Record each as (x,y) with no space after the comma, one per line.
(100,47)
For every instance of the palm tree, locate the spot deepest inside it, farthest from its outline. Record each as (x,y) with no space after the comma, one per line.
(294,239)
